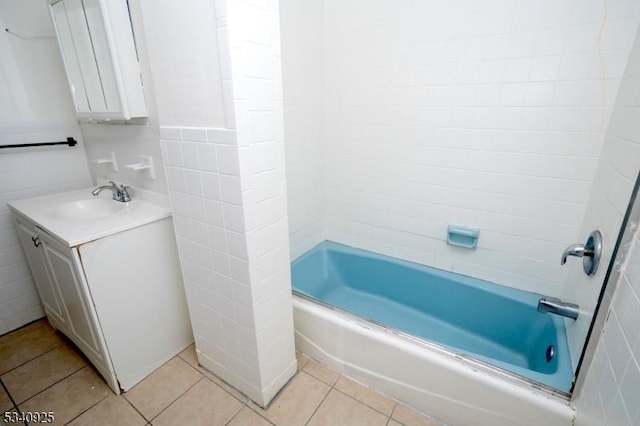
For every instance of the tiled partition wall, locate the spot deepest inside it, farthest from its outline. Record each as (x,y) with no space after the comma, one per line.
(254,40)
(487,114)
(228,193)
(302,67)
(29,172)
(204,186)
(608,386)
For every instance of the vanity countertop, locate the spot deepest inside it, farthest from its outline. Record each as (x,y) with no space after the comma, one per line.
(48,213)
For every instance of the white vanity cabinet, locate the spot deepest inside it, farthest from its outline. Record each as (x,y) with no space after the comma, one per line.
(64,293)
(118,297)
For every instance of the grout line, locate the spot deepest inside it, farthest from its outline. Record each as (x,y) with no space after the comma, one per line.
(247,404)
(32,359)
(367,405)
(301,367)
(15,406)
(134,407)
(89,408)
(395,403)
(60,380)
(175,400)
(235,415)
(318,406)
(393,411)
(394,420)
(263,417)
(204,373)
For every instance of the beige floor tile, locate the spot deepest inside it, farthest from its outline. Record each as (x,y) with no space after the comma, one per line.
(248,417)
(321,372)
(113,410)
(70,397)
(394,423)
(340,409)
(25,344)
(40,373)
(5,402)
(224,385)
(189,356)
(162,387)
(410,417)
(365,395)
(302,360)
(204,404)
(297,402)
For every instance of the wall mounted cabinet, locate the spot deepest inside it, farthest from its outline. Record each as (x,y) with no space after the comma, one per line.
(99,53)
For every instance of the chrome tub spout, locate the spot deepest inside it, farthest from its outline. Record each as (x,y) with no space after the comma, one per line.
(558,307)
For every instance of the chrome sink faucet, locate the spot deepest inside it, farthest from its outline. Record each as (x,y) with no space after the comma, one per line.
(120,193)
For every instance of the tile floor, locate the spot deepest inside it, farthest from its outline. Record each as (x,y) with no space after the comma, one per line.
(41,371)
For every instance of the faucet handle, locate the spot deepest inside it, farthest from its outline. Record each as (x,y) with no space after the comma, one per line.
(125,197)
(590,252)
(577,250)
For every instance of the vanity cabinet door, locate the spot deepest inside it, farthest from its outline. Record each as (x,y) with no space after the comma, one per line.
(76,299)
(49,297)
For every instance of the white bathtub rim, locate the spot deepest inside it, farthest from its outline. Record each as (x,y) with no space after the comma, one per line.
(465,359)
(556,405)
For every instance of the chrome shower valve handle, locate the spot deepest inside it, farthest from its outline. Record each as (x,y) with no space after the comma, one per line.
(590,252)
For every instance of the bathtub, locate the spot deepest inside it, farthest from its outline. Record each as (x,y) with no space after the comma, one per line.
(464,350)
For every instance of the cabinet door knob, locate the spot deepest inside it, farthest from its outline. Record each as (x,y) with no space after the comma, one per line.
(36,241)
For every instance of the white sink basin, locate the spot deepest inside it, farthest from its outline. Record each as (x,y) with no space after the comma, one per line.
(88,209)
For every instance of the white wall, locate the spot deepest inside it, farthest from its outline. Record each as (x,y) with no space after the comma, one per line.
(182,44)
(302,32)
(128,142)
(33,84)
(35,106)
(138,137)
(609,394)
(482,114)
(254,40)
(617,171)
(228,193)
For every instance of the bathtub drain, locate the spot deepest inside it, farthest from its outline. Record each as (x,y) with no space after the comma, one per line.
(551,352)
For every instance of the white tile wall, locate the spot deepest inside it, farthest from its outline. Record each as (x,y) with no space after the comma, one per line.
(24,173)
(203,181)
(609,394)
(180,44)
(228,192)
(487,115)
(128,142)
(302,32)
(254,40)
(617,170)
(228,210)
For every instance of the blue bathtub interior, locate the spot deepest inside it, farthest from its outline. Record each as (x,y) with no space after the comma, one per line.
(489,322)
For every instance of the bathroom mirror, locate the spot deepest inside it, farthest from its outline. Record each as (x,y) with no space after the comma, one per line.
(98,49)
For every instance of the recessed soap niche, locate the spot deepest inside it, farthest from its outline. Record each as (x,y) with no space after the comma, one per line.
(463,236)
